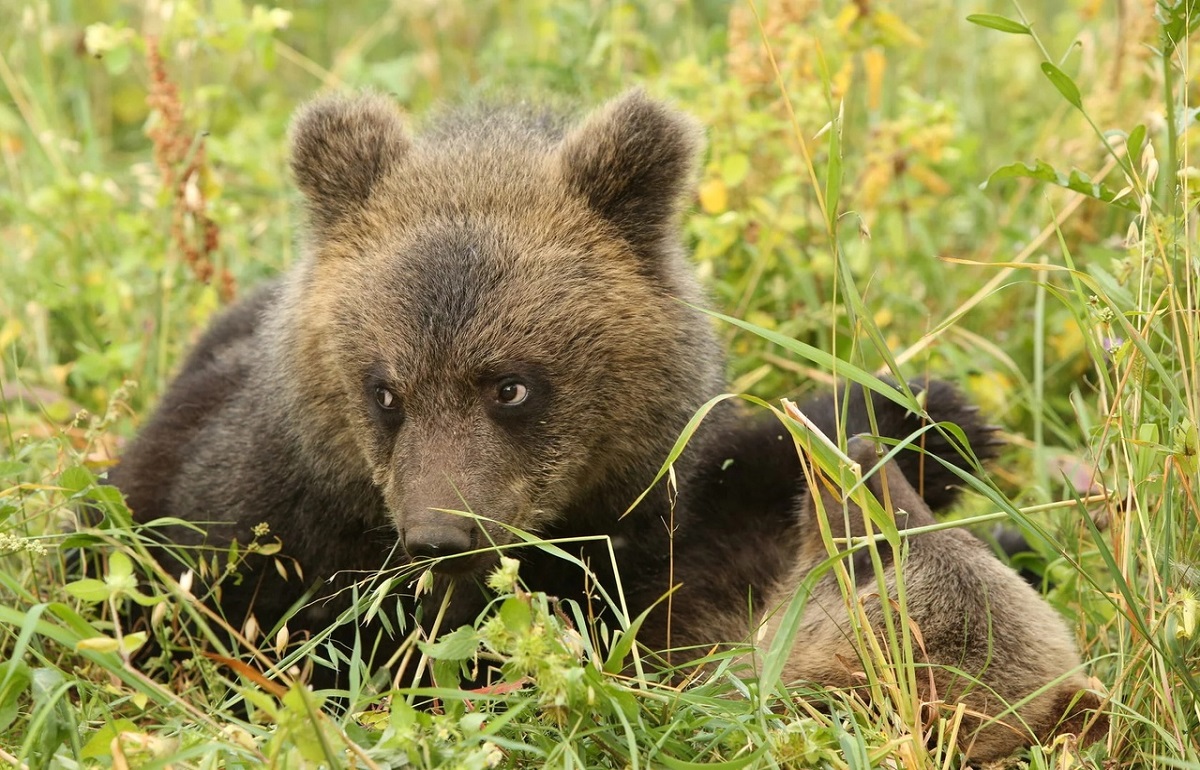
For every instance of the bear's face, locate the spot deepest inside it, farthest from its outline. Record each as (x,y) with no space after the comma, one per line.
(495,314)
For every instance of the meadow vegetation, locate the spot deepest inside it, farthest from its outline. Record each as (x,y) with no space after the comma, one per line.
(995,193)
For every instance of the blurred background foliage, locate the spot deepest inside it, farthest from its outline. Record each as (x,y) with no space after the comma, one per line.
(103,285)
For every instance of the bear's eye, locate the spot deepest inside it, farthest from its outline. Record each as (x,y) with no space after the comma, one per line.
(386,399)
(384,403)
(512,393)
(516,394)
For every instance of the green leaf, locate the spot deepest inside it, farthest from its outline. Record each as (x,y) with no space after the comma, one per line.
(1064,84)
(130,643)
(304,726)
(143,600)
(624,644)
(1134,143)
(1077,181)
(380,593)
(1185,446)
(13,684)
(106,494)
(76,479)
(460,644)
(100,744)
(54,725)
(79,540)
(833,173)
(119,565)
(516,615)
(89,590)
(261,701)
(10,468)
(1147,450)
(999,23)
(1182,19)
(780,648)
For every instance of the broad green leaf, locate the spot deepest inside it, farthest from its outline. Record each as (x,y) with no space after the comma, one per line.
(1181,20)
(76,478)
(49,688)
(119,565)
(1185,446)
(1147,450)
(301,714)
(261,701)
(118,59)
(459,644)
(89,590)
(10,468)
(999,23)
(100,744)
(119,579)
(106,494)
(79,540)
(131,643)
(13,685)
(516,615)
(1064,84)
(1077,181)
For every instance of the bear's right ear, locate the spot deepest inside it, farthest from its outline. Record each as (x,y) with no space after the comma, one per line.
(342,146)
(632,160)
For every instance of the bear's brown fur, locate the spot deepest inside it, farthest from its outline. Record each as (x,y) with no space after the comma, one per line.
(981,635)
(493,315)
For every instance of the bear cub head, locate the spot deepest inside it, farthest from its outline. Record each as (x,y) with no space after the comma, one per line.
(494,315)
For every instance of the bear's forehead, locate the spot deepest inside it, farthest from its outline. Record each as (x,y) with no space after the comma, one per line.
(451,268)
(472,294)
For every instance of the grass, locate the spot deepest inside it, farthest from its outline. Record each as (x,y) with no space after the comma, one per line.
(841,205)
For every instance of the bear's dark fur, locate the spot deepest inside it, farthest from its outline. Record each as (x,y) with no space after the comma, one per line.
(739,532)
(494,315)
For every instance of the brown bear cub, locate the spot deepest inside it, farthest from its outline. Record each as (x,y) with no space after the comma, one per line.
(494,316)
(497,315)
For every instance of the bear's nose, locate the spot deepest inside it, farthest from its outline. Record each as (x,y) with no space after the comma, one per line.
(434,542)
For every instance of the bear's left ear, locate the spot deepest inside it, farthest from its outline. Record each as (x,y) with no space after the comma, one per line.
(632,160)
(341,147)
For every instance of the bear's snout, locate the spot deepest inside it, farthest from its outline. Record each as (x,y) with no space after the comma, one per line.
(431,542)
(430,528)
